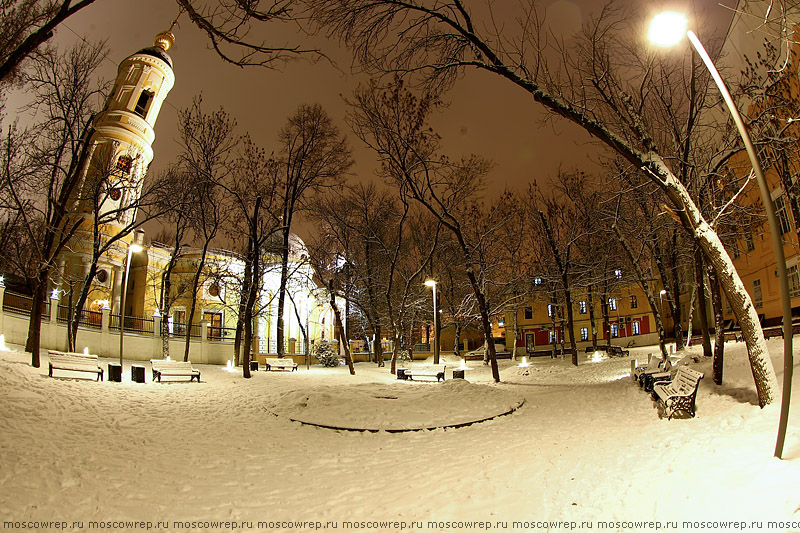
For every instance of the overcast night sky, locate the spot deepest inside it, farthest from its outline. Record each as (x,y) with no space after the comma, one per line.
(486,116)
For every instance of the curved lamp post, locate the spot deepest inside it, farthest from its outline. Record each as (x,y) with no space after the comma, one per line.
(668,29)
(132,249)
(431,283)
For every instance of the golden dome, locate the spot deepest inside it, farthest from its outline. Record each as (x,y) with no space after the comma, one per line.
(164,40)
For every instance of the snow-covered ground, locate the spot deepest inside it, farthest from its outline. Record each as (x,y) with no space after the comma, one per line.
(585,449)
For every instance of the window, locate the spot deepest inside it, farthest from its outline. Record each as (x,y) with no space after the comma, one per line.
(757,297)
(553,337)
(584,334)
(551,310)
(794,281)
(614,331)
(124,163)
(612,304)
(618,273)
(735,251)
(537,281)
(179,321)
(582,307)
(214,320)
(529,313)
(143,103)
(634,302)
(748,242)
(635,327)
(782,214)
(501,323)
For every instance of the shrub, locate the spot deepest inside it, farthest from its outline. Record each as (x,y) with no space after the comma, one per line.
(326,355)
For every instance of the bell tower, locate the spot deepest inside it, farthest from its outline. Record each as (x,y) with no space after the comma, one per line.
(121,144)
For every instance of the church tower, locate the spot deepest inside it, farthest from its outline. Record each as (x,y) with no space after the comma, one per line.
(120,149)
(123,134)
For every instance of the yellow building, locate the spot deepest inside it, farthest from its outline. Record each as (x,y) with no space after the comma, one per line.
(531,326)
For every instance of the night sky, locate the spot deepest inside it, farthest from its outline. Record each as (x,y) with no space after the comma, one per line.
(486,115)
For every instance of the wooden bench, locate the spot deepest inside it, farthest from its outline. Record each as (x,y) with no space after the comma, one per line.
(680,393)
(644,375)
(653,362)
(162,367)
(75,362)
(617,351)
(273,363)
(427,371)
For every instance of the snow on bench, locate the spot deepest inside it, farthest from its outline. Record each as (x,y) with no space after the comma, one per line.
(162,367)
(429,371)
(680,393)
(282,364)
(75,362)
(655,365)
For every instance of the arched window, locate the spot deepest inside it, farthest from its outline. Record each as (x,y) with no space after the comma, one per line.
(143,103)
(124,163)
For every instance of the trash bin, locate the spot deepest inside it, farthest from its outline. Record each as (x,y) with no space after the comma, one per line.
(458,374)
(115,372)
(254,365)
(137,374)
(401,373)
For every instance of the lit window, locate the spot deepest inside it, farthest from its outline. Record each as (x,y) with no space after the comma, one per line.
(582,307)
(124,163)
(501,323)
(537,281)
(634,302)
(635,327)
(757,297)
(794,281)
(614,331)
(553,338)
(782,215)
(584,334)
(618,273)
(551,310)
(612,304)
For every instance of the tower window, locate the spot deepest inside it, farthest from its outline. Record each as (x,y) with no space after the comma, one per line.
(124,163)
(143,104)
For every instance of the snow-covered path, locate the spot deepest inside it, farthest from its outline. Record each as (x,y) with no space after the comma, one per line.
(586,447)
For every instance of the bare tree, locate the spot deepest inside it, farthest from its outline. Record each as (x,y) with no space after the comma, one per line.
(208,141)
(26,25)
(313,156)
(42,166)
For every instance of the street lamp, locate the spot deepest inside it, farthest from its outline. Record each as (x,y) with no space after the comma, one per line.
(132,249)
(667,29)
(431,283)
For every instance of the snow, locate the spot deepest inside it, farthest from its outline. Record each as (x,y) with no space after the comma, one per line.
(586,445)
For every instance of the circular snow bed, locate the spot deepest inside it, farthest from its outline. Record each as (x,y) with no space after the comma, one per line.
(397,407)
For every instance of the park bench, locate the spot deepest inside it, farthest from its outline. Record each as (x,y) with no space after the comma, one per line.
(162,367)
(617,351)
(273,363)
(426,371)
(75,362)
(680,393)
(653,361)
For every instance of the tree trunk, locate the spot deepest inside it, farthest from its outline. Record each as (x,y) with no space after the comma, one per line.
(719,326)
(590,303)
(193,301)
(699,268)
(35,323)
(651,299)
(279,327)
(338,318)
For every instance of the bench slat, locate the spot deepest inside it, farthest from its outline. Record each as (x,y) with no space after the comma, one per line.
(679,394)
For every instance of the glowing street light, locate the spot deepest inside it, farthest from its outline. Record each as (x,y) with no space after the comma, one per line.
(431,283)
(132,249)
(667,29)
